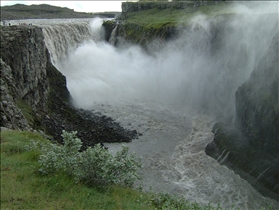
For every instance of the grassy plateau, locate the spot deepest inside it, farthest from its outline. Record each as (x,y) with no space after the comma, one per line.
(177,17)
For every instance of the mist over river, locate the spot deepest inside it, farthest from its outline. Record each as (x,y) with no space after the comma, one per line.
(172,95)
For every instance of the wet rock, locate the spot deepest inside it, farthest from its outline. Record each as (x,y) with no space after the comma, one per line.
(5,103)
(252,142)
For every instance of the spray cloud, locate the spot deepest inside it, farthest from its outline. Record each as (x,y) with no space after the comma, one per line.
(201,69)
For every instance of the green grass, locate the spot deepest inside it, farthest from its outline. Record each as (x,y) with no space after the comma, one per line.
(29,114)
(23,187)
(174,17)
(27,110)
(144,26)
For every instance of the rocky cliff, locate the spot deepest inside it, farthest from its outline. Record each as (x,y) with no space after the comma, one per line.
(250,146)
(34,95)
(24,77)
(257,102)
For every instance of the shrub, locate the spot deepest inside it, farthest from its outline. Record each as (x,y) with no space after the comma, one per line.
(92,166)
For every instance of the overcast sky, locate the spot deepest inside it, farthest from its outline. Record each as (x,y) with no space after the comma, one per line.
(78,6)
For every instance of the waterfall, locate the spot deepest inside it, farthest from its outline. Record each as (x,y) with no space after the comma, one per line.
(225,158)
(63,38)
(112,38)
(193,70)
(221,156)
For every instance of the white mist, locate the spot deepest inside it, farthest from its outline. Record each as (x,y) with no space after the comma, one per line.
(201,69)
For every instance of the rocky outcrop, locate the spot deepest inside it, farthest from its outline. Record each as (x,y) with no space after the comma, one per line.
(251,145)
(34,95)
(143,35)
(109,26)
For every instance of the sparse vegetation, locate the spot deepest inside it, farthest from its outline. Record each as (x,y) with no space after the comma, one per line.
(26,110)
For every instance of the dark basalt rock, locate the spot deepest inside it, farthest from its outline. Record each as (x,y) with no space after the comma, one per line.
(250,146)
(109,26)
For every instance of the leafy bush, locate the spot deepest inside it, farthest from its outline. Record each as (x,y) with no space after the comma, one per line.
(92,166)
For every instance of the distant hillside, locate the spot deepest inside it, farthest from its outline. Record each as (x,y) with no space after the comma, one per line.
(44,11)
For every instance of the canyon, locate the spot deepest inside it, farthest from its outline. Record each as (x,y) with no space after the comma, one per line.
(239,91)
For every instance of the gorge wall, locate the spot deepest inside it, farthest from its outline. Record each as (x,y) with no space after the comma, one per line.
(23,71)
(34,95)
(250,145)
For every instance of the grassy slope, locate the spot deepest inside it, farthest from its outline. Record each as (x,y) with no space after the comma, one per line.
(22,187)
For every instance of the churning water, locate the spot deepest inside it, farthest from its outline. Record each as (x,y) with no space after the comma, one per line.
(171,95)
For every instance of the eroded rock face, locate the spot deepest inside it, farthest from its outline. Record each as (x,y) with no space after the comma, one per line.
(23,70)
(11,115)
(25,53)
(251,145)
(257,103)
(109,26)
